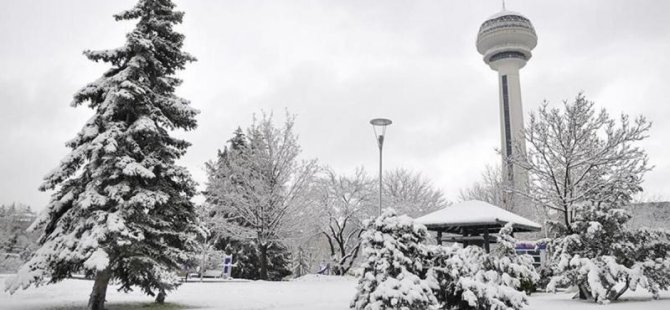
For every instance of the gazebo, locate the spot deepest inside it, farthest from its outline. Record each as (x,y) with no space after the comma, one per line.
(473,222)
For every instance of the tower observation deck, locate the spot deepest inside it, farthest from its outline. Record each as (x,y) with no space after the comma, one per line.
(505,41)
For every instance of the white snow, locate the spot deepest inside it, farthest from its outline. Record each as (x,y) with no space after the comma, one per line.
(132,168)
(307,293)
(91,198)
(474,212)
(97,261)
(144,123)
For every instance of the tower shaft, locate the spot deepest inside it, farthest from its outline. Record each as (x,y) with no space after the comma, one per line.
(511,124)
(512,142)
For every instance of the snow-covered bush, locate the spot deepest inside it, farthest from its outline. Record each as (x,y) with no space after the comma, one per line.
(519,267)
(469,278)
(603,258)
(400,272)
(393,265)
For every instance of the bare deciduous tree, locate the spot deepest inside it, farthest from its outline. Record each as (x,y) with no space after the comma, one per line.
(264,187)
(344,202)
(489,188)
(578,155)
(410,193)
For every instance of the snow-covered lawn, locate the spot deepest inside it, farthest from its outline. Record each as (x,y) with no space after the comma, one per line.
(308,293)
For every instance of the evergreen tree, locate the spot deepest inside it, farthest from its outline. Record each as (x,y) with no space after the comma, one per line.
(218,171)
(121,208)
(247,262)
(216,237)
(279,262)
(393,262)
(239,140)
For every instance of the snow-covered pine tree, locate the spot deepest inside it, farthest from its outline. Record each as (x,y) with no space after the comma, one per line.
(218,237)
(121,208)
(392,266)
(218,171)
(604,258)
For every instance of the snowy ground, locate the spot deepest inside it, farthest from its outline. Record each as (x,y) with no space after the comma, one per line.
(312,292)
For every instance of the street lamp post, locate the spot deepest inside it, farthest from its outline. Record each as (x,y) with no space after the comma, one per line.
(379,127)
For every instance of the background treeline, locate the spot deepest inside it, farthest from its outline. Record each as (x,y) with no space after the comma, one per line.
(279,214)
(16,244)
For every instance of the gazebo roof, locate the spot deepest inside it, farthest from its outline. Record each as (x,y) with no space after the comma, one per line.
(475,214)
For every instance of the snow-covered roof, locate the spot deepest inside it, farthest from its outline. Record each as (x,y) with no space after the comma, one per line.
(475,213)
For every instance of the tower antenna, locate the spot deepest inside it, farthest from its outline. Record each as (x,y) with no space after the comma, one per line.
(503,3)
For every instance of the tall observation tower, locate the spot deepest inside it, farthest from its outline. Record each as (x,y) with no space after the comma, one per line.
(506,40)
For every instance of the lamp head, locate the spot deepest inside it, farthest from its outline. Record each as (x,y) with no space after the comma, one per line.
(379,126)
(380,122)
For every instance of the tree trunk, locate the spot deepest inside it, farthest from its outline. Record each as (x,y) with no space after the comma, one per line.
(202,261)
(584,293)
(614,294)
(566,218)
(353,257)
(160,298)
(263,257)
(97,299)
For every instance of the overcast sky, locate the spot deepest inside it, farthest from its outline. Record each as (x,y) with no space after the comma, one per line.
(337,64)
